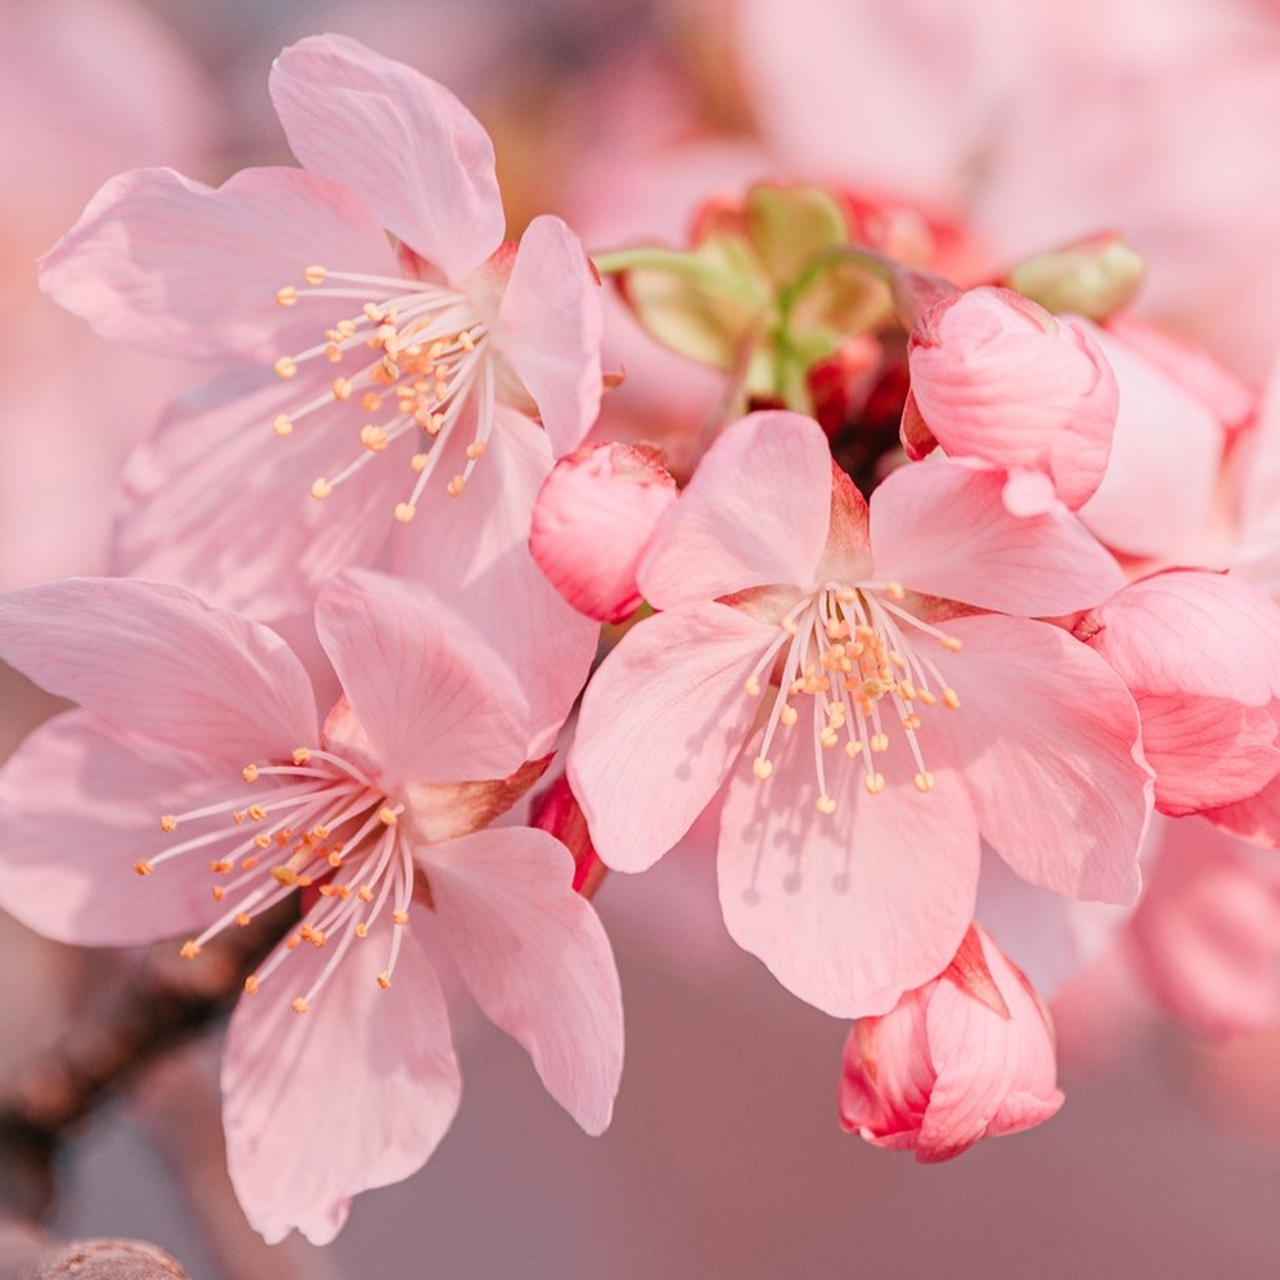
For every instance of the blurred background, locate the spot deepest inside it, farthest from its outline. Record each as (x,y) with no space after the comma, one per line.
(1018,126)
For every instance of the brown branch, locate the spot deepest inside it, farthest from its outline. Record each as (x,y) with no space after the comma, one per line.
(158,1005)
(27,1255)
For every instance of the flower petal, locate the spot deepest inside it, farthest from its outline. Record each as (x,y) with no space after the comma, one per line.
(354,1093)
(1047,740)
(156,661)
(848,910)
(403,143)
(81,806)
(549,328)
(943,528)
(436,702)
(172,265)
(535,956)
(756,512)
(656,739)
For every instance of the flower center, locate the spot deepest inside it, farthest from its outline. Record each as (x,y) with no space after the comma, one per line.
(408,356)
(317,823)
(855,654)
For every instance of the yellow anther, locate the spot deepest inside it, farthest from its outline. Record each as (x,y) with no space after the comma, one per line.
(852,747)
(282,424)
(950,698)
(168,822)
(418,463)
(189,950)
(374,438)
(364,893)
(321,488)
(238,817)
(879,742)
(335,860)
(342,388)
(285,876)
(925,697)
(387,816)
(436,424)
(250,774)
(751,687)
(314,275)
(907,690)
(218,893)
(251,985)
(372,312)
(874,783)
(362,930)
(912,721)
(333,353)
(222,867)
(301,755)
(790,626)
(248,864)
(143,868)
(895,591)
(466,341)
(454,487)
(243,919)
(262,841)
(762,768)
(384,980)
(476,449)
(405,511)
(285,368)
(399,917)
(371,402)
(924,781)
(788,715)
(287,296)
(828,737)
(318,938)
(388,369)
(256,812)
(299,1005)
(897,659)
(825,804)
(953,643)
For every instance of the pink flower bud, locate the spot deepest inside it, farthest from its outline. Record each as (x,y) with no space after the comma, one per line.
(997,378)
(593,520)
(969,1055)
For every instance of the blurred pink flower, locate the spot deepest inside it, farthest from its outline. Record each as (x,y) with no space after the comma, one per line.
(905,631)
(969,1055)
(996,377)
(197,737)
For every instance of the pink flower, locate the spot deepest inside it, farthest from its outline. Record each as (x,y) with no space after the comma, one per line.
(593,519)
(969,1055)
(872,686)
(197,760)
(406,371)
(997,378)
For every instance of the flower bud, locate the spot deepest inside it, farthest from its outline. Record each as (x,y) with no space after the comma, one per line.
(969,1055)
(1093,277)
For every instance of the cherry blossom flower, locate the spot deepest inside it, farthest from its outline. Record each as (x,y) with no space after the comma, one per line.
(872,686)
(969,1055)
(994,376)
(405,370)
(196,786)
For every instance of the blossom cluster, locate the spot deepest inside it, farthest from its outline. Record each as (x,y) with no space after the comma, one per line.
(954,630)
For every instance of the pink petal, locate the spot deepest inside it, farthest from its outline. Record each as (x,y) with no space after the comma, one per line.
(218,502)
(996,377)
(1155,494)
(1256,819)
(757,511)
(995,1075)
(1046,736)
(81,807)
(175,266)
(1207,932)
(435,701)
(852,909)
(656,738)
(473,550)
(355,1093)
(594,517)
(550,324)
(942,528)
(535,956)
(403,143)
(155,661)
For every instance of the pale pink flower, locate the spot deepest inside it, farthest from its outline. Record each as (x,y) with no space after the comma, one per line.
(196,786)
(1209,729)
(408,369)
(995,377)
(1205,938)
(593,519)
(967,1056)
(873,687)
